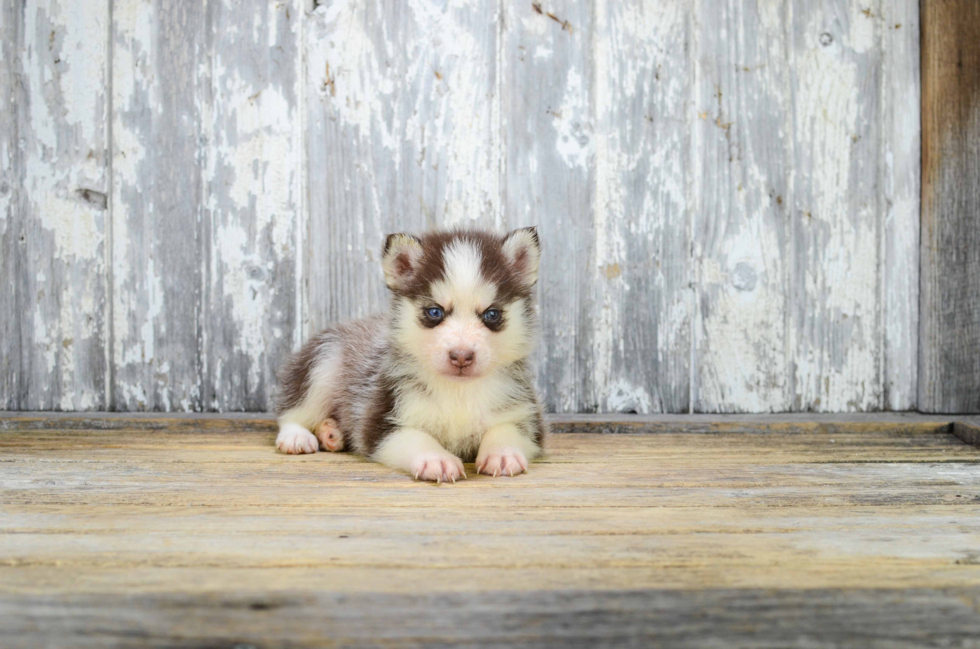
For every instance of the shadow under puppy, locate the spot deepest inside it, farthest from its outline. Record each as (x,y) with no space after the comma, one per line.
(443,377)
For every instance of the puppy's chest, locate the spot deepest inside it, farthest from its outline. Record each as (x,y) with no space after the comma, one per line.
(452,417)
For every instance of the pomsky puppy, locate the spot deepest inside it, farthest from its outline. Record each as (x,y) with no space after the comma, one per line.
(443,377)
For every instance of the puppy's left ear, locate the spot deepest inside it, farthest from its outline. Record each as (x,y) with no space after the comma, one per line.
(523,250)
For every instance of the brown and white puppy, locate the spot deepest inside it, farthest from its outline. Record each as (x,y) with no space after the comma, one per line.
(443,378)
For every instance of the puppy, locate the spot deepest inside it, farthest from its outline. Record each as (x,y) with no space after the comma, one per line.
(443,378)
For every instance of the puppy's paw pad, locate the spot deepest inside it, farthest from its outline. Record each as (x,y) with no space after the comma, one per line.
(507,461)
(331,439)
(437,467)
(296,442)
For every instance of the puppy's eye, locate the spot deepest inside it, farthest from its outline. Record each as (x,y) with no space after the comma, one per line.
(491,316)
(434,313)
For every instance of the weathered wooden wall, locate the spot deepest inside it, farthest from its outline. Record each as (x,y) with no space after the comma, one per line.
(727,191)
(949,362)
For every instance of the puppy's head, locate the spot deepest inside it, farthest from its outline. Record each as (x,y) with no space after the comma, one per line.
(462,304)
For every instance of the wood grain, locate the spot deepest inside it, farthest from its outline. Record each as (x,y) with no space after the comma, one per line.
(11,394)
(899,199)
(196,531)
(727,194)
(254,172)
(160,93)
(53,205)
(743,232)
(643,74)
(403,136)
(623,618)
(949,326)
(550,170)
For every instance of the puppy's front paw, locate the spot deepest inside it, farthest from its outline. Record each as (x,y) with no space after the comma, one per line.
(293,439)
(437,467)
(331,439)
(501,461)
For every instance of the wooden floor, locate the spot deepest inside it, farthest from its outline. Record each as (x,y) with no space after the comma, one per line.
(676,531)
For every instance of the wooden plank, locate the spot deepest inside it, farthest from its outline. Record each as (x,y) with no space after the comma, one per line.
(11,179)
(949,325)
(743,241)
(968,431)
(855,423)
(549,165)
(575,618)
(834,206)
(160,91)
(54,205)
(403,135)
(899,201)
(254,185)
(642,69)
(672,537)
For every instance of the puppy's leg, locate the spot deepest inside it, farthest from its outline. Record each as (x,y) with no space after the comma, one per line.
(295,439)
(505,450)
(420,454)
(310,388)
(331,439)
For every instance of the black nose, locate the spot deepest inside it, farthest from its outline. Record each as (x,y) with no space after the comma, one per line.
(462,357)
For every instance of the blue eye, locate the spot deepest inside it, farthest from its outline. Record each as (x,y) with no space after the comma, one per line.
(434,313)
(491,315)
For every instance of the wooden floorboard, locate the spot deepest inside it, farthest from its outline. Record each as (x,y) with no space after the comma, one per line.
(185,532)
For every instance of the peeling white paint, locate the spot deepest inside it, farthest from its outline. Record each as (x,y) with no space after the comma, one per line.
(707,160)
(573,123)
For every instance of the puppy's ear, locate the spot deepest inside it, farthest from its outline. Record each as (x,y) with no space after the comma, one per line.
(400,259)
(523,250)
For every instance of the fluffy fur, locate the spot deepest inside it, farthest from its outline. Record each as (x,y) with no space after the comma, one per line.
(443,378)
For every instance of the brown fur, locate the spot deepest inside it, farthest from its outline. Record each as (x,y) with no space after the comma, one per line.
(360,356)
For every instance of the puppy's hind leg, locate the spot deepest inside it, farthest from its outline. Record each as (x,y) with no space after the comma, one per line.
(308,382)
(331,439)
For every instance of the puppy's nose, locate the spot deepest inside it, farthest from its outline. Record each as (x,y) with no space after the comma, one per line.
(462,357)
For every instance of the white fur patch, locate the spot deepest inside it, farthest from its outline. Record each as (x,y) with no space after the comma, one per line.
(293,439)
(458,413)
(418,453)
(464,287)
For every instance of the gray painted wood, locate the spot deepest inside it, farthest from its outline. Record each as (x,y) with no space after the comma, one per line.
(549,160)
(835,212)
(11,358)
(949,328)
(643,70)
(207,204)
(253,179)
(727,195)
(899,202)
(53,205)
(806,223)
(743,232)
(747,617)
(160,92)
(403,136)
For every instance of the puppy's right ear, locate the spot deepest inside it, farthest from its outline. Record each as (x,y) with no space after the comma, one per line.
(400,259)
